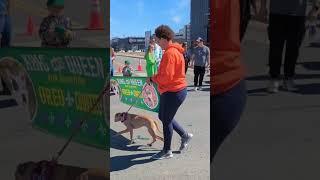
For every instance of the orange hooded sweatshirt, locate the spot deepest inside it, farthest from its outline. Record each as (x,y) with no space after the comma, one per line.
(171,75)
(226,67)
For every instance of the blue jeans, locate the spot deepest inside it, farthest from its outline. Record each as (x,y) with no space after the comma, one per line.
(226,110)
(5,30)
(169,105)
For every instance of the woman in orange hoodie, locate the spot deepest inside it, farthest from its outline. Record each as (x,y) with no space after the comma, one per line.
(172,85)
(228,89)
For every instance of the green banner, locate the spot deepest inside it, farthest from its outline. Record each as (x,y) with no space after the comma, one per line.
(57,87)
(130,92)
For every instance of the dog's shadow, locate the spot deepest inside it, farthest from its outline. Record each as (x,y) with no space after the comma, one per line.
(119,163)
(122,143)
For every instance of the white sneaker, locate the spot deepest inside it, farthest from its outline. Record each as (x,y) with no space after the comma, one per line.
(289,85)
(200,88)
(273,86)
(195,88)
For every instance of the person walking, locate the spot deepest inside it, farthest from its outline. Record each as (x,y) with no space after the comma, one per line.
(186,56)
(201,56)
(172,86)
(5,23)
(286,28)
(151,66)
(228,87)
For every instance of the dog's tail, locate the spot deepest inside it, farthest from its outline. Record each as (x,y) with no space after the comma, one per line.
(157,125)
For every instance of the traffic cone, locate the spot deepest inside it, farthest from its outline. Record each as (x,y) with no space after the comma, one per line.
(139,66)
(30,27)
(95,16)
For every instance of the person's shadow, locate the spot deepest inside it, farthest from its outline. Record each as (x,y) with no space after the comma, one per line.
(119,163)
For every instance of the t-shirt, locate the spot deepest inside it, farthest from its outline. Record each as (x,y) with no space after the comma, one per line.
(201,55)
(3,7)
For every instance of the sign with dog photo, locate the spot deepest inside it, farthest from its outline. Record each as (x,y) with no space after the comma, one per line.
(136,92)
(57,88)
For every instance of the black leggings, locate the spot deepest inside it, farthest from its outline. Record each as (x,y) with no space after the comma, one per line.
(226,110)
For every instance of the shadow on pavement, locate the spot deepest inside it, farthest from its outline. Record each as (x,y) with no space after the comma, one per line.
(121,143)
(306,89)
(313,65)
(298,76)
(258,92)
(119,163)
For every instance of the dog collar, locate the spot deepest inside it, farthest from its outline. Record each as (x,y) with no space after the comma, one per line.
(124,117)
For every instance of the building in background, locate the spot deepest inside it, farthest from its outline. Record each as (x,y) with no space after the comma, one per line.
(183,35)
(128,44)
(199,25)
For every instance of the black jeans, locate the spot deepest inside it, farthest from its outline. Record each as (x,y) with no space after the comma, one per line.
(169,105)
(284,30)
(226,110)
(199,72)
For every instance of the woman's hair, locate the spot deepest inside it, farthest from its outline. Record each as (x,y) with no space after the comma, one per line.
(164,32)
(148,50)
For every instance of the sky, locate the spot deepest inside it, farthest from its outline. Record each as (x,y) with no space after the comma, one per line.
(134,17)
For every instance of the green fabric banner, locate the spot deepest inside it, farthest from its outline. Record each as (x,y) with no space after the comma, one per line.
(57,87)
(130,88)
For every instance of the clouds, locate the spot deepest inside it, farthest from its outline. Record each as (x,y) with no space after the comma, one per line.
(176,19)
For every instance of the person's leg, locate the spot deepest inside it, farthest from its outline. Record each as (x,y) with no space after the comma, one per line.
(172,102)
(226,110)
(6,35)
(196,75)
(295,35)
(276,32)
(202,73)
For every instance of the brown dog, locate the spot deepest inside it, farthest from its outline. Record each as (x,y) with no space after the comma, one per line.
(133,121)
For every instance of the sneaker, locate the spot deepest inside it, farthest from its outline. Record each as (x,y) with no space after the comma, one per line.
(289,85)
(184,141)
(200,88)
(273,86)
(162,155)
(195,88)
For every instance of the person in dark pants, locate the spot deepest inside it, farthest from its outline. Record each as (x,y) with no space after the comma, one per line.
(172,84)
(228,87)
(186,56)
(286,29)
(201,57)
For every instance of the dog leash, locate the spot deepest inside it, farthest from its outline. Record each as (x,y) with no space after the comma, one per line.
(106,89)
(126,113)
(75,131)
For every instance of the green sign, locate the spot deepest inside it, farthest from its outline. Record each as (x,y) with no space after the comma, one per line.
(130,92)
(57,87)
